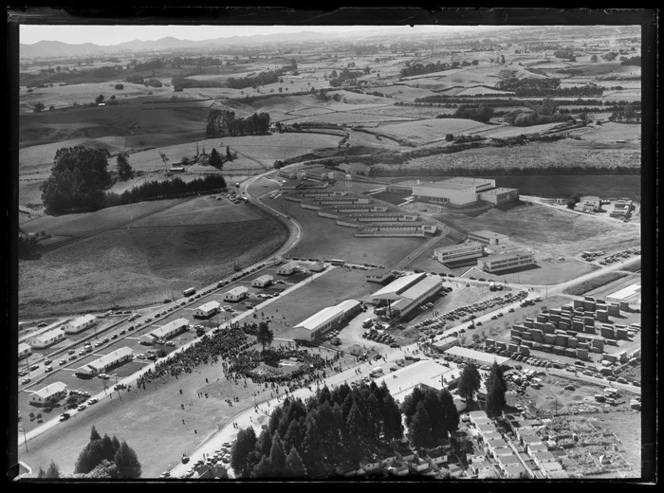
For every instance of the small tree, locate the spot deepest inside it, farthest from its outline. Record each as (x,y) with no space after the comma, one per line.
(125,172)
(264,335)
(52,472)
(294,464)
(38,107)
(99,99)
(229,156)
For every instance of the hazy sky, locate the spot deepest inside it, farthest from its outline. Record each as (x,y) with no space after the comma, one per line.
(110,35)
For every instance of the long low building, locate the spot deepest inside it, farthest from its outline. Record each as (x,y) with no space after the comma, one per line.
(207,310)
(498,196)
(455,253)
(487,237)
(24,350)
(262,281)
(327,319)
(416,295)
(168,331)
(53,392)
(106,362)
(80,324)
(48,338)
(478,357)
(508,260)
(236,294)
(392,292)
(425,373)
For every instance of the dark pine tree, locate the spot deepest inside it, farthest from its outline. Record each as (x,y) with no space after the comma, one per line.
(469,382)
(420,427)
(244,444)
(294,465)
(127,462)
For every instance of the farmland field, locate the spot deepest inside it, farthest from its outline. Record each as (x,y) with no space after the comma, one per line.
(428,130)
(138,263)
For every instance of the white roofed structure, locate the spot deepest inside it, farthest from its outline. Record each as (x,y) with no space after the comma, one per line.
(42,395)
(107,361)
(326,319)
(394,290)
(477,357)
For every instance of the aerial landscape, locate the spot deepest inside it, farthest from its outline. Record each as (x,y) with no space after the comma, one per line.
(370,254)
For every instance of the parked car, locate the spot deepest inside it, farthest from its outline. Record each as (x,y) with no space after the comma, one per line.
(81,407)
(48,369)
(93,400)
(64,416)
(26,380)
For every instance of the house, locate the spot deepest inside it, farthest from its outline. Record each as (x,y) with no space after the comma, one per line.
(207,310)
(48,338)
(317,267)
(287,269)
(418,465)
(436,456)
(262,281)
(167,331)
(326,319)
(236,294)
(379,275)
(533,448)
(100,365)
(482,466)
(371,464)
(405,454)
(531,439)
(398,468)
(515,471)
(543,457)
(53,392)
(456,471)
(80,324)
(24,350)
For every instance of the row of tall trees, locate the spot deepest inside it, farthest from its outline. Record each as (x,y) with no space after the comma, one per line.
(222,123)
(330,429)
(430,416)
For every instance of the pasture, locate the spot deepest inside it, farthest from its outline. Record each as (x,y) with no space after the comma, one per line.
(423,131)
(137,262)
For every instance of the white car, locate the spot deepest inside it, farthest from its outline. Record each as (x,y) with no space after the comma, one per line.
(92,401)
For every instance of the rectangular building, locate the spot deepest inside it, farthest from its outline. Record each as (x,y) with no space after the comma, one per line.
(80,324)
(207,310)
(236,294)
(24,350)
(52,392)
(462,251)
(498,196)
(168,331)
(326,319)
(48,338)
(486,237)
(378,275)
(478,357)
(262,281)
(505,261)
(287,269)
(106,362)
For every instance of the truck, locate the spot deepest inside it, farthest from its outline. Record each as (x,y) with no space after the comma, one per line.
(492,286)
(367,322)
(189,291)
(376,371)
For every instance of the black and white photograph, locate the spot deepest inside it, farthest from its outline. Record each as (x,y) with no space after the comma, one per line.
(351,246)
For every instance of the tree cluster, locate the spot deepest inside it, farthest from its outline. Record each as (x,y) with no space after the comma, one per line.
(262,79)
(418,69)
(106,457)
(330,429)
(496,387)
(430,416)
(346,76)
(481,114)
(152,190)
(635,60)
(220,124)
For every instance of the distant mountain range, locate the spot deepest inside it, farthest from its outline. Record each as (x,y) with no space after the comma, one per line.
(53,49)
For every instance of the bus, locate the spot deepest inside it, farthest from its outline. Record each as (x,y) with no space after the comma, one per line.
(337,261)
(189,291)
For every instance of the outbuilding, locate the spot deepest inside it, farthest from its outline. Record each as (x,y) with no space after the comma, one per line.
(168,331)
(207,310)
(262,281)
(48,338)
(80,324)
(52,392)
(236,294)
(24,350)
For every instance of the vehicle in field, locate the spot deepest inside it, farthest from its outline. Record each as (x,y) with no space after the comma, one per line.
(170,343)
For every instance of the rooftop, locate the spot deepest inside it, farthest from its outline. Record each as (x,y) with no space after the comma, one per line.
(483,358)
(496,191)
(82,320)
(210,305)
(627,292)
(326,314)
(417,290)
(396,287)
(401,382)
(451,248)
(265,277)
(50,389)
(48,334)
(170,326)
(237,290)
(110,358)
(487,234)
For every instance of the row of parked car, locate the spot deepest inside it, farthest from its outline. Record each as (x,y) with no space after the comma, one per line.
(621,255)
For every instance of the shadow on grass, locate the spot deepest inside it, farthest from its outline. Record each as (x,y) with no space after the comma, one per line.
(515,270)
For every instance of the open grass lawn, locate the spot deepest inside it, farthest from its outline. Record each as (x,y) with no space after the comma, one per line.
(559,154)
(137,263)
(151,420)
(322,238)
(423,131)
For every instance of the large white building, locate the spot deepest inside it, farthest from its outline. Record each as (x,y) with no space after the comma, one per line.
(507,260)
(236,294)
(457,191)
(462,251)
(407,292)
(80,324)
(171,329)
(54,391)
(48,338)
(478,357)
(100,365)
(24,350)
(497,196)
(326,319)
(207,310)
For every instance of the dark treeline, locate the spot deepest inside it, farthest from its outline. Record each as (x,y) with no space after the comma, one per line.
(262,79)
(472,101)
(418,69)
(154,190)
(502,171)
(546,88)
(221,123)
(520,118)
(336,429)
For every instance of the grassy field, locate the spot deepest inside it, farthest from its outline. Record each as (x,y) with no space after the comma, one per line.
(593,284)
(322,238)
(138,263)
(423,131)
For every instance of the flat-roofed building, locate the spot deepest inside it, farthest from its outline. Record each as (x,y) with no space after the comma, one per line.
(24,350)
(378,275)
(291,174)
(80,324)
(207,310)
(52,392)
(48,338)
(325,320)
(167,331)
(407,292)
(486,237)
(498,196)
(462,251)
(425,373)
(478,357)
(106,362)
(262,281)
(236,294)
(393,290)
(508,260)
(446,343)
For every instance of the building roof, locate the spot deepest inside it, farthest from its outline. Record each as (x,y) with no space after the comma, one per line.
(401,382)
(453,248)
(48,334)
(483,358)
(23,346)
(544,455)
(485,233)
(421,288)
(106,360)
(50,390)
(165,330)
(237,290)
(82,320)
(210,305)
(447,340)
(496,191)
(326,314)
(378,272)
(393,290)
(517,252)
(625,293)
(509,459)
(264,278)
(289,265)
